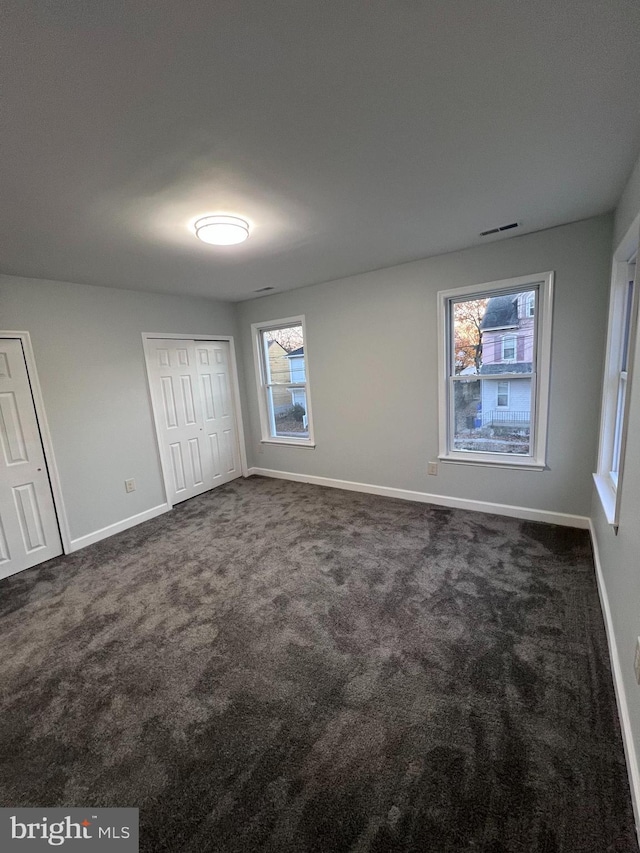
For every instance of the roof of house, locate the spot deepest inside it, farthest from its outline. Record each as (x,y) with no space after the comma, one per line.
(512,367)
(299,351)
(502,311)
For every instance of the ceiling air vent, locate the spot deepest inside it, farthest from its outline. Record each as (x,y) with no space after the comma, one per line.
(499,229)
(263,289)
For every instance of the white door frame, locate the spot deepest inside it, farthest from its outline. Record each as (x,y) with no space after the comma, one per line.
(45,435)
(235,389)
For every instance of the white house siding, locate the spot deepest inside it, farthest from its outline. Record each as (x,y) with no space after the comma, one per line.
(297,368)
(519,396)
(298,396)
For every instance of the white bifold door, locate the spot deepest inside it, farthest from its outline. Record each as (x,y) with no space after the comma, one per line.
(28,525)
(195,416)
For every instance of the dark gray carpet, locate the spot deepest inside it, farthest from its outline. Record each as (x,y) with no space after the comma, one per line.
(280,667)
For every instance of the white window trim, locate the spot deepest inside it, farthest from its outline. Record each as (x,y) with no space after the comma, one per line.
(259,366)
(537,460)
(609,491)
(506,382)
(503,340)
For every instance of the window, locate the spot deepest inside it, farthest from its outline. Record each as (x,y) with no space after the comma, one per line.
(617,381)
(494,366)
(503,395)
(509,347)
(530,308)
(622,376)
(282,375)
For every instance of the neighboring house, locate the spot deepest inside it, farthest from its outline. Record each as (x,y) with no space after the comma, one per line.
(507,347)
(279,370)
(297,374)
(287,368)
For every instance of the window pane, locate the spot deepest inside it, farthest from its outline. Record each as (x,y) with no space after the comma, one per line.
(290,412)
(481,422)
(617,438)
(509,348)
(284,352)
(502,396)
(284,367)
(627,327)
(493,335)
(467,318)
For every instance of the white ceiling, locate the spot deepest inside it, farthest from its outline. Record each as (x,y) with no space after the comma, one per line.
(353,134)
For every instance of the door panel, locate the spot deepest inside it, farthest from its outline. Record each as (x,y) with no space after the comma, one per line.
(170,417)
(4,548)
(213,364)
(11,430)
(28,526)
(174,387)
(214,444)
(229,456)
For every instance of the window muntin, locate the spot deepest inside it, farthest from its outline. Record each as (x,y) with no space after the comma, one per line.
(493,409)
(282,382)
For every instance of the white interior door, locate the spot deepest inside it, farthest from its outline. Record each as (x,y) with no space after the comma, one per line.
(186,458)
(28,526)
(190,389)
(220,427)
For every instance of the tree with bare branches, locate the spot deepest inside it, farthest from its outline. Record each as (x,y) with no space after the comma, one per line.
(467,334)
(289,338)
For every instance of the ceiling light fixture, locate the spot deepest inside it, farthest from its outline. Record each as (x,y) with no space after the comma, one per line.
(222,230)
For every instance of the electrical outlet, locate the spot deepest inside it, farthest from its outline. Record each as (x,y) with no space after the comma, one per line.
(432,469)
(129,486)
(636,660)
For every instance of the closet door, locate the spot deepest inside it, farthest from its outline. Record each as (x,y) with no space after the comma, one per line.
(175,391)
(191,386)
(213,362)
(28,525)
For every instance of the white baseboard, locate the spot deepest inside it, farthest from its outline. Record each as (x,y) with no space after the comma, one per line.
(523,512)
(618,683)
(119,526)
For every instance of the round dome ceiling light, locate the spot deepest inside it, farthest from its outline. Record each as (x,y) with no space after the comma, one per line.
(222,230)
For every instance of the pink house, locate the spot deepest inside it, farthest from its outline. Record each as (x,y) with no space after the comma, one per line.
(507,352)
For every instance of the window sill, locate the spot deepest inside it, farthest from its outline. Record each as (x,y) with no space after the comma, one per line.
(288,442)
(524,463)
(607,497)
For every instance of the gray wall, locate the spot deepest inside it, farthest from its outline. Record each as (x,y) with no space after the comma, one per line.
(89,357)
(620,555)
(372,356)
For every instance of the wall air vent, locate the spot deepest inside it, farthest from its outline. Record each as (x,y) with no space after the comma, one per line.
(499,229)
(263,289)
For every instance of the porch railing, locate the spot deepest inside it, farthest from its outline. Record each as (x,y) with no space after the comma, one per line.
(497,417)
